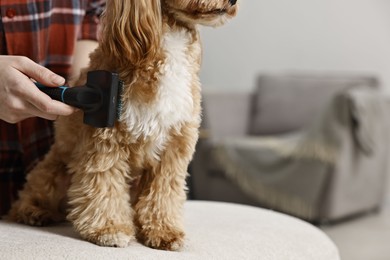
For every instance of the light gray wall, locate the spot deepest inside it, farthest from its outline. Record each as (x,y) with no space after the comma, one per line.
(300,35)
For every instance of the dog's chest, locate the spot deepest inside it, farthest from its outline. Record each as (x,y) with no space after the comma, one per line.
(173,104)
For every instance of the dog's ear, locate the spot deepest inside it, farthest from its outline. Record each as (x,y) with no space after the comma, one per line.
(132,30)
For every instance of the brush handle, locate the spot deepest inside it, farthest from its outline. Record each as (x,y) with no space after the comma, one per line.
(84,98)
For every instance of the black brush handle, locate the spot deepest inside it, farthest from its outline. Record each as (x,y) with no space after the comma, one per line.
(85,98)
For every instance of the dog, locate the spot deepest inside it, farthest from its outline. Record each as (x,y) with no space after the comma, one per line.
(129,182)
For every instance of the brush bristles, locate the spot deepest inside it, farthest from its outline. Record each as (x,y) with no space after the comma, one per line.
(120,101)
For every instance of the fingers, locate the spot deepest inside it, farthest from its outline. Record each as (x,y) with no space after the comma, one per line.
(18,113)
(37,72)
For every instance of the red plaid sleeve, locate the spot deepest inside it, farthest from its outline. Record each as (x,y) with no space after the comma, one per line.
(90,24)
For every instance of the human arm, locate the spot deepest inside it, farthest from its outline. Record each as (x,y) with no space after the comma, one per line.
(81,56)
(20,99)
(87,39)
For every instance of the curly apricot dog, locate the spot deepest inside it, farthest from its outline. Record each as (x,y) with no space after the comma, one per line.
(155,48)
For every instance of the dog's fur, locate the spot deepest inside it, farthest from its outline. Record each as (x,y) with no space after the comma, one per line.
(154,46)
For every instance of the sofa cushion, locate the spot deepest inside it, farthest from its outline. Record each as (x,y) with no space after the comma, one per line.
(284,103)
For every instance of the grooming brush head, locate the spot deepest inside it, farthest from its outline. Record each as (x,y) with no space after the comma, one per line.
(105,113)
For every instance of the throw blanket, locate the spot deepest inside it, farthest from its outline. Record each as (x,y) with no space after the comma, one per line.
(291,172)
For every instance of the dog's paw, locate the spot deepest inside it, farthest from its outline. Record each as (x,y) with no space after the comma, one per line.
(112,237)
(34,216)
(167,239)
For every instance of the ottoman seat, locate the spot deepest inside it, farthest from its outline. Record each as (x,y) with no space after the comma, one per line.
(215,230)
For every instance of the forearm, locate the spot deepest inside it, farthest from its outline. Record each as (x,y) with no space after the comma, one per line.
(81,56)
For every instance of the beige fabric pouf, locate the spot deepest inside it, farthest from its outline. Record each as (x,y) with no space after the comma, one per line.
(214,231)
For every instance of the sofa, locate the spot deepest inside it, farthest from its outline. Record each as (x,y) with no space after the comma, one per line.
(314,146)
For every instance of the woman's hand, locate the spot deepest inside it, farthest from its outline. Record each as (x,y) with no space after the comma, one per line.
(20,98)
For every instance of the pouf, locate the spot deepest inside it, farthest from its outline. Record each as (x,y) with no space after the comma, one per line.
(215,230)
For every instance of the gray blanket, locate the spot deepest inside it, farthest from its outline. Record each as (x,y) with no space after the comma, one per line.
(291,172)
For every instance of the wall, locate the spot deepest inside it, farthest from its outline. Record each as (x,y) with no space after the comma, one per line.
(304,35)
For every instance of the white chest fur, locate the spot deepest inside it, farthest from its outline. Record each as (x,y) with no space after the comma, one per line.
(174,103)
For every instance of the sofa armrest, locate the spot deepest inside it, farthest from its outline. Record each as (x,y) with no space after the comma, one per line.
(226,114)
(359,179)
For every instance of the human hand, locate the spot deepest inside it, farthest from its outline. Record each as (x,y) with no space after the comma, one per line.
(20,98)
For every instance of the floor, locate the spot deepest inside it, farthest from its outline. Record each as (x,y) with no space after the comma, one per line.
(363,238)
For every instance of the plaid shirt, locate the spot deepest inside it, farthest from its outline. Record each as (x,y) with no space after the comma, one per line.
(45,31)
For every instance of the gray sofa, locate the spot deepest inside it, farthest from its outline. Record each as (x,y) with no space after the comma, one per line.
(313,146)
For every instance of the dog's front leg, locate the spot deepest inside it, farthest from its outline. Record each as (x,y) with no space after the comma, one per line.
(159,208)
(99,198)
